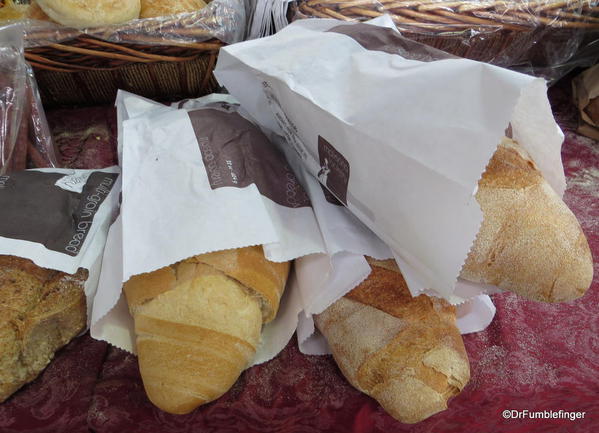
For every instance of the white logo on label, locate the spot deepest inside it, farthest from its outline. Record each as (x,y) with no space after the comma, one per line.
(73,182)
(323,173)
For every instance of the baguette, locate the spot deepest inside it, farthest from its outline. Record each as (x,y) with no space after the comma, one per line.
(198,323)
(529,242)
(405,352)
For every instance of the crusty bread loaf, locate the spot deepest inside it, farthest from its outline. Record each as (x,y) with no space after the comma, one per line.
(529,242)
(40,311)
(198,323)
(405,352)
(82,13)
(161,8)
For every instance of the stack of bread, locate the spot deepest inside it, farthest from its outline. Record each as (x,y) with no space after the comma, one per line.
(198,322)
(82,14)
(407,352)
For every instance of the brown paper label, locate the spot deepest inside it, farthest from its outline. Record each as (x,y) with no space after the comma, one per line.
(334,170)
(329,197)
(236,153)
(35,209)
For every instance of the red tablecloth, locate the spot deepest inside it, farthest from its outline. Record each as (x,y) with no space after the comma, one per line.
(533,356)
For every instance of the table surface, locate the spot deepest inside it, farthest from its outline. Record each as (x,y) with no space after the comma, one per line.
(533,356)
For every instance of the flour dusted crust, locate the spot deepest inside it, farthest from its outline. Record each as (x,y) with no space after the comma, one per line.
(40,311)
(160,8)
(529,242)
(83,13)
(405,352)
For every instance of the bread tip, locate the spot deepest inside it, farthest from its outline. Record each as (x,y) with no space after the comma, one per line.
(171,400)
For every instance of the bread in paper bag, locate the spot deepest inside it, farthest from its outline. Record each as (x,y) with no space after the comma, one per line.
(404,151)
(200,295)
(52,233)
(529,242)
(198,323)
(405,352)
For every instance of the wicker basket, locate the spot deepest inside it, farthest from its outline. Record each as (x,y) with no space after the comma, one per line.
(89,71)
(501,32)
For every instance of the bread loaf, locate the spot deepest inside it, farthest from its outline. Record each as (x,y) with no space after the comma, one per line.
(82,13)
(40,311)
(407,353)
(160,8)
(529,242)
(198,323)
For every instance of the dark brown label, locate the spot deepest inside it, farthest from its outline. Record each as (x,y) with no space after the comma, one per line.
(334,170)
(375,38)
(35,209)
(329,197)
(236,154)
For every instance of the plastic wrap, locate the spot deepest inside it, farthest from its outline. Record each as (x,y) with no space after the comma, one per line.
(25,139)
(12,96)
(221,19)
(40,151)
(535,37)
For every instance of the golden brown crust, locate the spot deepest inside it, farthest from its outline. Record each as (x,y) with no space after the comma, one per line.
(198,323)
(510,167)
(389,264)
(529,242)
(40,311)
(145,287)
(387,291)
(405,352)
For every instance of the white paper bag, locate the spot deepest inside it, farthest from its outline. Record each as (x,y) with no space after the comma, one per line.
(324,278)
(401,141)
(59,219)
(179,202)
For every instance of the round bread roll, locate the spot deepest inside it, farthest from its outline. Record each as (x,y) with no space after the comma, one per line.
(161,8)
(82,13)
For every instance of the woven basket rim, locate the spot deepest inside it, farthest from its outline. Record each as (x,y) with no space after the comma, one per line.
(438,16)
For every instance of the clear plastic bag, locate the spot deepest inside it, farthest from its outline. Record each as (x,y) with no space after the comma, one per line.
(40,152)
(12,96)
(221,19)
(539,37)
(25,139)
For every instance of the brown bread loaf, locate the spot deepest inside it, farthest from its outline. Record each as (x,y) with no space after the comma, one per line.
(40,311)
